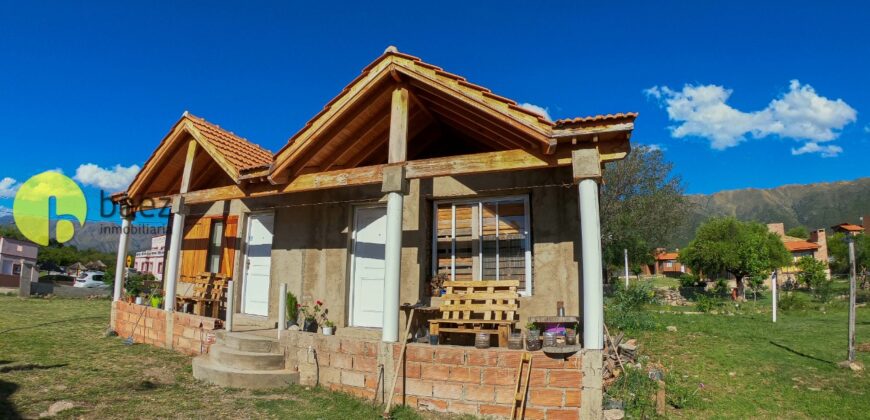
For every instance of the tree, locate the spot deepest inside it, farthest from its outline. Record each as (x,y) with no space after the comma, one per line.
(742,249)
(642,204)
(838,250)
(812,273)
(798,232)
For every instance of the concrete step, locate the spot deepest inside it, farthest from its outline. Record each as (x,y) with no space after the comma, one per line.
(248,342)
(246,360)
(207,370)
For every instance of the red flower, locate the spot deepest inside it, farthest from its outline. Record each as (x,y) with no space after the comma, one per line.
(319,302)
(298,305)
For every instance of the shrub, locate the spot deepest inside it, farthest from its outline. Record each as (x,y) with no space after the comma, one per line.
(688,280)
(625,310)
(706,303)
(793,302)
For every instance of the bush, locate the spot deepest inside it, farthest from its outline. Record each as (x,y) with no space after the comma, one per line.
(625,310)
(793,302)
(689,280)
(706,303)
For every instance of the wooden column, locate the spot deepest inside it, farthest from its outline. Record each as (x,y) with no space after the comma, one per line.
(395,185)
(179,210)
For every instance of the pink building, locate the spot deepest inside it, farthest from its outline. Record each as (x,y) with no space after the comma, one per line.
(151,261)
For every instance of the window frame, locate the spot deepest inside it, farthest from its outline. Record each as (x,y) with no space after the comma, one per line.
(212,247)
(479,201)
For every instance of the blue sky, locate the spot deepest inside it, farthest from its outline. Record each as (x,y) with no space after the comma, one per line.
(743,94)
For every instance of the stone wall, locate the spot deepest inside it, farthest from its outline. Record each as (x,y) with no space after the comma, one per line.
(191,334)
(438,378)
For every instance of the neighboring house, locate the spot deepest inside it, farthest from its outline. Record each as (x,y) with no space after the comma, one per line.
(848,229)
(668,264)
(13,255)
(410,172)
(816,247)
(151,260)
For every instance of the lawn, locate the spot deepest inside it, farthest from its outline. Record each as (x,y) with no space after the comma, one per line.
(55,349)
(753,368)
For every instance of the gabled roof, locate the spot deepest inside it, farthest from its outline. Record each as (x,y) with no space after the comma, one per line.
(232,153)
(665,256)
(394,67)
(800,245)
(848,227)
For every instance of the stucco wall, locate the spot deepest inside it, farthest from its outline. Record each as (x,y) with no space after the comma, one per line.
(313,236)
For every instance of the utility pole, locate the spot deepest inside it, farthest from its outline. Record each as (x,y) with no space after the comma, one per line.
(774,286)
(626,267)
(852,275)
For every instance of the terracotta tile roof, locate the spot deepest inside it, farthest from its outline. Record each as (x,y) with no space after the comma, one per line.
(628,116)
(800,245)
(849,227)
(238,151)
(664,256)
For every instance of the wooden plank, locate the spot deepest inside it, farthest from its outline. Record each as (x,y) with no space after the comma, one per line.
(484,283)
(480,307)
(481,295)
(398,149)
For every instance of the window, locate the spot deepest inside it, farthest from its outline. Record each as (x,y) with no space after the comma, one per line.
(214,247)
(16,269)
(159,268)
(484,240)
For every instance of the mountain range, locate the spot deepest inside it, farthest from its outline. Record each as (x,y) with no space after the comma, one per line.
(103,236)
(814,206)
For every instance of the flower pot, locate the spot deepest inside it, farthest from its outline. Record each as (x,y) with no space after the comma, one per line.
(138,300)
(310,325)
(327,330)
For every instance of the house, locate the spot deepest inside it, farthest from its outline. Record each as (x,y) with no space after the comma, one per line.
(848,229)
(668,264)
(151,260)
(410,172)
(816,247)
(13,255)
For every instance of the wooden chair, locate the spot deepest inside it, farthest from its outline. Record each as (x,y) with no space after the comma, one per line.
(218,295)
(481,306)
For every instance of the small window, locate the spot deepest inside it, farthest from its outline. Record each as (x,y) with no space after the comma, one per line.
(214,246)
(16,269)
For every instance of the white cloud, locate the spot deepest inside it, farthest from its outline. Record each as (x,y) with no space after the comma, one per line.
(830,150)
(112,180)
(800,114)
(8,187)
(537,109)
(5,211)
(655,147)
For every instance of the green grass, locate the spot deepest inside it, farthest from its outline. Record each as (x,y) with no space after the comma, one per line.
(753,368)
(54,349)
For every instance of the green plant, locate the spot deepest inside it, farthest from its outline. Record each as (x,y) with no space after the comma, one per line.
(292,308)
(531,326)
(328,324)
(688,280)
(311,312)
(793,301)
(706,303)
(813,275)
(625,310)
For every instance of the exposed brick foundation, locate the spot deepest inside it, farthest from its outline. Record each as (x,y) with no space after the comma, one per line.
(439,378)
(191,334)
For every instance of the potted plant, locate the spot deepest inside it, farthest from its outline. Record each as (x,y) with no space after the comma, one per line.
(292,309)
(436,284)
(328,327)
(310,314)
(533,336)
(140,300)
(157,299)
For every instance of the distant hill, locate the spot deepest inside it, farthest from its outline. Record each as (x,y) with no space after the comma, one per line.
(101,236)
(814,206)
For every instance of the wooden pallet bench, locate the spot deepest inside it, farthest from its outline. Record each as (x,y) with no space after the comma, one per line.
(209,292)
(480,306)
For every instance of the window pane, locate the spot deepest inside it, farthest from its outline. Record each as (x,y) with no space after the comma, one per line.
(463,242)
(214,248)
(489,241)
(444,238)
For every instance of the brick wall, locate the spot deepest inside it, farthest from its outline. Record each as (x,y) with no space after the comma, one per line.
(440,378)
(191,334)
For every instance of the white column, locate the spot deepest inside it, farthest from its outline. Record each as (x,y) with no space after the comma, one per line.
(231,304)
(593,282)
(173,256)
(282,308)
(121,261)
(393,263)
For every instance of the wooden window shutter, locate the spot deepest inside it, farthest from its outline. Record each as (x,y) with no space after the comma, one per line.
(231,229)
(194,247)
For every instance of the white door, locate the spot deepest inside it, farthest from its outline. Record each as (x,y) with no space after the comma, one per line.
(258,262)
(367,283)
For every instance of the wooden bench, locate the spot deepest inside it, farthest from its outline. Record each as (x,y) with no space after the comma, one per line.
(481,306)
